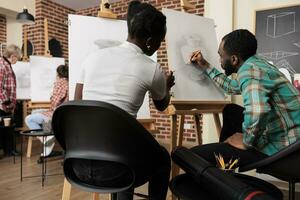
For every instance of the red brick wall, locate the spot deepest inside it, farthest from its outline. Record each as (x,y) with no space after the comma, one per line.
(57,16)
(2,29)
(120,8)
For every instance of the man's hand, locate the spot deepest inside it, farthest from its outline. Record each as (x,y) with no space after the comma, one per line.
(198,59)
(170,80)
(236,140)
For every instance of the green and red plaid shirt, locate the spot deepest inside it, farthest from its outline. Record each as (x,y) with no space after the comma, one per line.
(272,104)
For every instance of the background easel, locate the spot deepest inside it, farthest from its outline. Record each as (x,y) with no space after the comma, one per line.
(36,105)
(47,51)
(25,54)
(104,12)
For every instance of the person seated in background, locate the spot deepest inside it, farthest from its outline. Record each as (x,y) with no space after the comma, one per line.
(121,75)
(11,55)
(270,118)
(60,95)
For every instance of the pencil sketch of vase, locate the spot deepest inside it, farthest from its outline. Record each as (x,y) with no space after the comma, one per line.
(192,44)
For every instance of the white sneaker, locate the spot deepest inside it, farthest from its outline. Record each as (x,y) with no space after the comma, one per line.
(48,149)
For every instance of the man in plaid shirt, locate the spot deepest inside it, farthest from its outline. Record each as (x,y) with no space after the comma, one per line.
(270,119)
(60,95)
(8,94)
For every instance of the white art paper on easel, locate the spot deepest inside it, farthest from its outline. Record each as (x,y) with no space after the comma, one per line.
(187,33)
(22,72)
(43,75)
(87,34)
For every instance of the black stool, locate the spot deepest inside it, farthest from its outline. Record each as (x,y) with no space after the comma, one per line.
(37,133)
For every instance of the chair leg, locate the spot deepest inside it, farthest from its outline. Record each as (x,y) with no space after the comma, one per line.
(113,196)
(291,191)
(66,190)
(29,146)
(96,196)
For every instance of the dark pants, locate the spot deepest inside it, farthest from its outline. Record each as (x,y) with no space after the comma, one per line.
(233,118)
(108,174)
(6,135)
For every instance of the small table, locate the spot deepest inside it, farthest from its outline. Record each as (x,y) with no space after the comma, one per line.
(36,133)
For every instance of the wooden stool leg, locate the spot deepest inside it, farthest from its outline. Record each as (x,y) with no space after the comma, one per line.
(96,196)
(66,190)
(198,128)
(29,146)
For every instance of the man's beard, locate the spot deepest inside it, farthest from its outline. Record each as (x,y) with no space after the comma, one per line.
(228,68)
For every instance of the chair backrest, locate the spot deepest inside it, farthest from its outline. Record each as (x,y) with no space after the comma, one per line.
(283,165)
(96,130)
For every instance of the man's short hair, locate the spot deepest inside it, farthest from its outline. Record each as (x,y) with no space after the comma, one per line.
(240,42)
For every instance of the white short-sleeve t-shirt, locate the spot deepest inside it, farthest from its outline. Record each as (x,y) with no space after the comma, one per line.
(121,76)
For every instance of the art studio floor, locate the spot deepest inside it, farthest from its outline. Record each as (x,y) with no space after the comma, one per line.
(31,189)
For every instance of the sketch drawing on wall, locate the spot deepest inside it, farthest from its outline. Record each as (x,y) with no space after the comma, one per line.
(281,24)
(195,33)
(277,55)
(22,72)
(297,44)
(285,64)
(286,73)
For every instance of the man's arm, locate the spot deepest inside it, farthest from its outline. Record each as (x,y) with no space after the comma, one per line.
(78,91)
(230,86)
(256,98)
(3,96)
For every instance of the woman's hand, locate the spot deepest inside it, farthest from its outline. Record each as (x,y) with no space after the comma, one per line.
(170,80)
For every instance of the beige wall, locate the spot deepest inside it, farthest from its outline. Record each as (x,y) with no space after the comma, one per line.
(17,5)
(14,32)
(221,12)
(244,12)
(10,8)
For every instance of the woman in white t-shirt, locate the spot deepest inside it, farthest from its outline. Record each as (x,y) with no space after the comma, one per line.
(121,75)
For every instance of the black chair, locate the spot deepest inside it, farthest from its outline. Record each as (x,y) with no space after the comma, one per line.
(206,182)
(93,130)
(283,165)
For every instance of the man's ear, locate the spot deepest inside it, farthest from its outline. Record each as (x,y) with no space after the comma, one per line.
(235,60)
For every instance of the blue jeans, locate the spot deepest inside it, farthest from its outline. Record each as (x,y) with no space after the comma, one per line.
(35,120)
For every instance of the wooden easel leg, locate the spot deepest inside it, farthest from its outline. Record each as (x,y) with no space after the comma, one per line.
(175,168)
(218,123)
(173,145)
(96,196)
(173,132)
(66,190)
(198,128)
(180,131)
(29,146)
